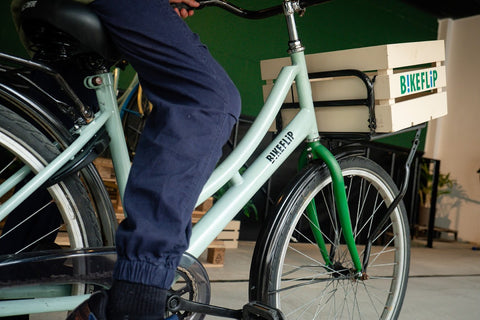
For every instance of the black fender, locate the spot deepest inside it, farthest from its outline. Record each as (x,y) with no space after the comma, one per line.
(45,120)
(13,97)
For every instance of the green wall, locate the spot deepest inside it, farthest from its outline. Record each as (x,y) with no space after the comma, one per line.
(239,44)
(8,35)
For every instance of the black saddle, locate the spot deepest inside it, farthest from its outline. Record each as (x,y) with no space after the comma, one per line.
(69,25)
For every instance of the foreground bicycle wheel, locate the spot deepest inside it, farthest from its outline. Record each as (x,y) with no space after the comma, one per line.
(60,216)
(294,276)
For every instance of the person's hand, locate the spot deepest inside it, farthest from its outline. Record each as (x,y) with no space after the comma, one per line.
(184,13)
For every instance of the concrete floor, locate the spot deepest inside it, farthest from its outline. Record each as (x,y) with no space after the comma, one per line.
(444,282)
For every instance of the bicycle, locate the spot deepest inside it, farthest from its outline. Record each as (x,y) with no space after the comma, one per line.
(320,253)
(134,110)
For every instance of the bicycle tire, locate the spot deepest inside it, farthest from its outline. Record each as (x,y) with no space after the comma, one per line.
(42,118)
(23,144)
(293,276)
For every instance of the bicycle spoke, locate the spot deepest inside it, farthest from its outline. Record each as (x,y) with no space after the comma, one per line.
(307,256)
(303,291)
(26,219)
(369,221)
(8,165)
(307,238)
(38,240)
(309,303)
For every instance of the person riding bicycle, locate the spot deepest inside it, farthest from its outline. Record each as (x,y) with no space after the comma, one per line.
(195,107)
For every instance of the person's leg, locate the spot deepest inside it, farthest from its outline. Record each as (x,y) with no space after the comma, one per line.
(195,107)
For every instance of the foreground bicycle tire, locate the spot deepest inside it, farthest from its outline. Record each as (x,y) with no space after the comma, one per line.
(22,144)
(295,278)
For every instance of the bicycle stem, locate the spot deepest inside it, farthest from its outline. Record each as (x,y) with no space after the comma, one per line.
(289,9)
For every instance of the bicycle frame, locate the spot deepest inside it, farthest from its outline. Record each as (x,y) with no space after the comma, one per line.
(126,96)
(302,127)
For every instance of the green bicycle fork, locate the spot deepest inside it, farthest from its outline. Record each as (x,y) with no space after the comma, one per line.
(318,151)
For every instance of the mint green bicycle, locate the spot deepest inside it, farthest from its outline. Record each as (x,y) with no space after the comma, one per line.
(336,245)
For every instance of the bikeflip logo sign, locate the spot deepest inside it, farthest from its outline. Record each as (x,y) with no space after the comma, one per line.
(418,81)
(29,4)
(280,147)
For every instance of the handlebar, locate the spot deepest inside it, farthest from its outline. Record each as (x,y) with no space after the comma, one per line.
(244,13)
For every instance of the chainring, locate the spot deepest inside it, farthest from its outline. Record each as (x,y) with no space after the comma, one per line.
(191,283)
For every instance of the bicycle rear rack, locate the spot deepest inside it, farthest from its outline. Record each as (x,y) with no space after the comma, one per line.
(17,68)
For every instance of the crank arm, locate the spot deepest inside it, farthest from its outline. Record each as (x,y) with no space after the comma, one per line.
(176,304)
(252,310)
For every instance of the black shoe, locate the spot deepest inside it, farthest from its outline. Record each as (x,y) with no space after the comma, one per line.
(135,301)
(94,308)
(97,308)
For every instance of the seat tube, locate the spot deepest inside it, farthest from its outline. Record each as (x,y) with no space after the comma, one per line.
(103,86)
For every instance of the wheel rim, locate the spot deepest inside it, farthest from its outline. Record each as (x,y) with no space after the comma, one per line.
(58,192)
(335,291)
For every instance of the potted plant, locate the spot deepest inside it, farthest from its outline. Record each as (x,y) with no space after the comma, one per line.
(445,184)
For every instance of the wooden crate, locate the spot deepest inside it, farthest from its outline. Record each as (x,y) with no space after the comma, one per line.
(410,86)
(107,173)
(7,195)
(62,238)
(227,239)
(229,235)
(205,205)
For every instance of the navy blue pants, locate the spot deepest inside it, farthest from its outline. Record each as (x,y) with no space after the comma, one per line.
(195,107)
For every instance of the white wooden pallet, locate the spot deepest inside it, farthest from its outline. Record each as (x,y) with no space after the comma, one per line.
(227,239)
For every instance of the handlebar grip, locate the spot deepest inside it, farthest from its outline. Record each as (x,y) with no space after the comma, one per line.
(202,3)
(181,5)
(309,3)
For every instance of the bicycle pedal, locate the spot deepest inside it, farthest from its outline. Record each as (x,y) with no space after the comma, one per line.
(257,311)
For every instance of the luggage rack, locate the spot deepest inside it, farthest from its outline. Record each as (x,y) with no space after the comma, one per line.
(368,102)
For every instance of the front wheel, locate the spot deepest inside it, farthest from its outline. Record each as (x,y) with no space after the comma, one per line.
(294,276)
